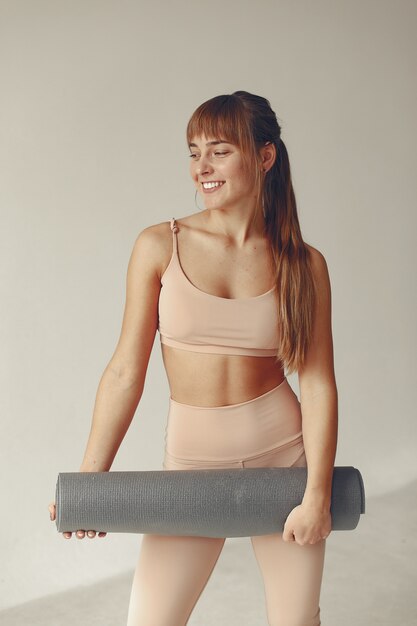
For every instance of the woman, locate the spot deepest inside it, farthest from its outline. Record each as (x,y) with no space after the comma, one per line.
(237,296)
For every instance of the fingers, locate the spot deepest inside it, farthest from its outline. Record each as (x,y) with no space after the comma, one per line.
(52,511)
(81,534)
(290,537)
(316,540)
(288,534)
(311,541)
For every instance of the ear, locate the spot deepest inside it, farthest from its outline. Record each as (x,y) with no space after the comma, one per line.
(268,154)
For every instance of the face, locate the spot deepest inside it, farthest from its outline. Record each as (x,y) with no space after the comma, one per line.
(221,164)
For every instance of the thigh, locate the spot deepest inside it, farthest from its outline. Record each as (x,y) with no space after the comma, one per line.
(292,576)
(171,574)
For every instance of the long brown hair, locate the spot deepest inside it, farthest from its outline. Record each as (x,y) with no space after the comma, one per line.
(248,121)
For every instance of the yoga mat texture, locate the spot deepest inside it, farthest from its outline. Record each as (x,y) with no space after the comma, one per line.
(239,502)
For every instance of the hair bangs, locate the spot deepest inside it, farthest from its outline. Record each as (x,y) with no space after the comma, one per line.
(221,117)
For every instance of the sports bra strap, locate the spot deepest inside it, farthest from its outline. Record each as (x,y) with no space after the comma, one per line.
(174,229)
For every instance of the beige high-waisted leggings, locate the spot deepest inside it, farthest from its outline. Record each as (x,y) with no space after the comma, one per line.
(172,571)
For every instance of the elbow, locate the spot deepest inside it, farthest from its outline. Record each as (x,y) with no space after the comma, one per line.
(327,388)
(126,378)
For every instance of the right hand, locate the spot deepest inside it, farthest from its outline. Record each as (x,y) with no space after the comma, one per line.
(80,534)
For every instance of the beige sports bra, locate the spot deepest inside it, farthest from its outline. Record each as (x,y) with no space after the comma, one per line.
(191,319)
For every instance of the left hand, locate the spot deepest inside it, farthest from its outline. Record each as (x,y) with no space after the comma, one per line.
(80,534)
(307,523)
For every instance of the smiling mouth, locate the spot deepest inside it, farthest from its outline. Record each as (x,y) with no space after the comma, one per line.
(212,186)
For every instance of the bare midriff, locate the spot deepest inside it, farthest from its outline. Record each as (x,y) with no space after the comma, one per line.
(210,380)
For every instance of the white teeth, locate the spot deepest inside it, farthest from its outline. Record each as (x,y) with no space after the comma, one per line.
(211,185)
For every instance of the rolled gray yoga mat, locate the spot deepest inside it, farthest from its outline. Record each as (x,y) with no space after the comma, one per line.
(238,502)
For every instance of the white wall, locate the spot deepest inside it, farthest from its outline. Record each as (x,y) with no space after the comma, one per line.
(95,100)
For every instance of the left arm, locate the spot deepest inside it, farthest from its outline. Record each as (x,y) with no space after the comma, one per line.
(318,394)
(319,408)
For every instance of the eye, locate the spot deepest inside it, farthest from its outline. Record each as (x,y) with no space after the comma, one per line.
(216,153)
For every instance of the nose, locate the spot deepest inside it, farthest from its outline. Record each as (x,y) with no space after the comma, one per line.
(203,166)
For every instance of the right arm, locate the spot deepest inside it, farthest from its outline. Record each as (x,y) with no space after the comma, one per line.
(121,385)
(123,380)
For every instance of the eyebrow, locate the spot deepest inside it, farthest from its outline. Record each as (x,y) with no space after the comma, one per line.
(209,143)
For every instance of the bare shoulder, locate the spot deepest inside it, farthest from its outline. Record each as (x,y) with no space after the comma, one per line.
(155,244)
(155,232)
(320,270)
(318,260)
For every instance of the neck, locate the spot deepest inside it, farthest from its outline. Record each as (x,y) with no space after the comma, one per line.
(237,226)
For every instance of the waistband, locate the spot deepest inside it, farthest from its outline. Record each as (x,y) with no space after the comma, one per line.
(236,430)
